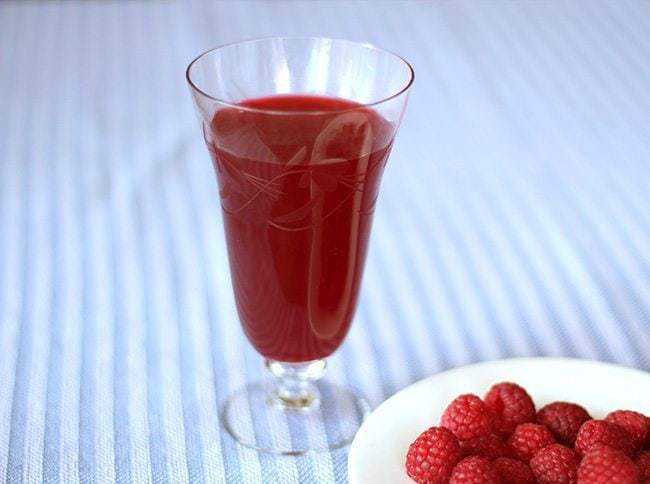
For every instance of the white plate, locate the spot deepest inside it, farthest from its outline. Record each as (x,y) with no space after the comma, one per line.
(378,451)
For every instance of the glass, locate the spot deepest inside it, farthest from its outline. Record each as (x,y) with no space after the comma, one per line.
(299,131)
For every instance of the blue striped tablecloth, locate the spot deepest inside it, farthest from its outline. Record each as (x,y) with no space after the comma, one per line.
(514,220)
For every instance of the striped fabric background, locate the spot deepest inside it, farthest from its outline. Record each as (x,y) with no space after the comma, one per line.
(514,220)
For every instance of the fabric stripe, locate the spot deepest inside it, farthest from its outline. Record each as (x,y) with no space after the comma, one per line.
(96,431)
(62,425)
(194,447)
(169,458)
(131,419)
(29,402)
(11,242)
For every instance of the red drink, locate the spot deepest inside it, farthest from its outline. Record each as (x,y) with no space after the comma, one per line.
(298,191)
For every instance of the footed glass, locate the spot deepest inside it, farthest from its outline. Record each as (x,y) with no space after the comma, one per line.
(299,131)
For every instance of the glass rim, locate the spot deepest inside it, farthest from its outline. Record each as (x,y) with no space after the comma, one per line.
(367,45)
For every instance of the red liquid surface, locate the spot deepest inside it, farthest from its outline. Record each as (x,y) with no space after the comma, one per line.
(298,192)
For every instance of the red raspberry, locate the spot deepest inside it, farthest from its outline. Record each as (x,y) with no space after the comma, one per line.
(635,423)
(491,447)
(432,456)
(605,465)
(594,432)
(513,471)
(643,465)
(467,417)
(474,470)
(563,419)
(528,439)
(511,404)
(555,464)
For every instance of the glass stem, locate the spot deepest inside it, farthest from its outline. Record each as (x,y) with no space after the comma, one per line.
(293,385)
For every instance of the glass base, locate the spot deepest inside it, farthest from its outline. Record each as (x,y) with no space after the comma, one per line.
(293,414)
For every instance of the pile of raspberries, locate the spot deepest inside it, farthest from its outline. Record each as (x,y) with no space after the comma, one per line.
(502,439)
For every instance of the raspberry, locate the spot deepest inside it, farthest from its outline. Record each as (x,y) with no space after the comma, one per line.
(555,464)
(594,432)
(528,439)
(643,465)
(474,470)
(513,471)
(467,417)
(635,423)
(563,419)
(606,465)
(432,456)
(491,447)
(511,404)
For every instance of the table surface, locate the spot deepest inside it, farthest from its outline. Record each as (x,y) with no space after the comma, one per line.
(514,220)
